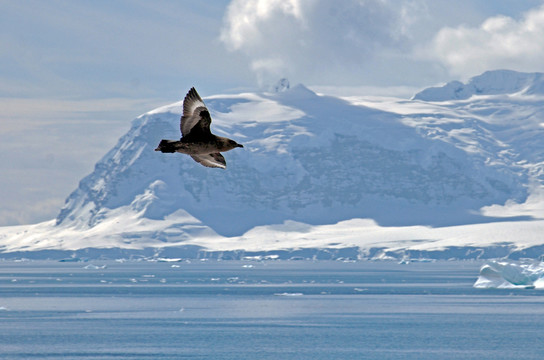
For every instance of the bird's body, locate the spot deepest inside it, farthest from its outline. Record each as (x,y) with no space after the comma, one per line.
(197,139)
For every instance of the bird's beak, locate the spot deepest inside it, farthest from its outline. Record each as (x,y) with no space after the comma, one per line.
(239,145)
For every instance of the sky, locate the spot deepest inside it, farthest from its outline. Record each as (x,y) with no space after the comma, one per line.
(74,73)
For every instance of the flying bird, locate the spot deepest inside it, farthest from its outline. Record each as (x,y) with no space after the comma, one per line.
(196,137)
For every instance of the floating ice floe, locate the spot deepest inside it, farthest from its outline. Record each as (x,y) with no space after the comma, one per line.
(288,294)
(169,259)
(497,274)
(360,289)
(94,267)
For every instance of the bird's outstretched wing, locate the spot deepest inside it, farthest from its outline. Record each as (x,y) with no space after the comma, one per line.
(211,160)
(194,113)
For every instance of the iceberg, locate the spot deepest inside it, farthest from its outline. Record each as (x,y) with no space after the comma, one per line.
(497,274)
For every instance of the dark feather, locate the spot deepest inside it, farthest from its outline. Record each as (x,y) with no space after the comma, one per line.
(194,111)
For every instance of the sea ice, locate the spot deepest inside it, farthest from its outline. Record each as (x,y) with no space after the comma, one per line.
(498,274)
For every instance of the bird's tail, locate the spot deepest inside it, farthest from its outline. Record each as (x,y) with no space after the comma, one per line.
(166,146)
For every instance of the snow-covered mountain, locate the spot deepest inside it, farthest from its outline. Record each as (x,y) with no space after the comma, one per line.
(489,83)
(457,168)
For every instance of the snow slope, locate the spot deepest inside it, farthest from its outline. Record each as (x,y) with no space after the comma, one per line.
(319,172)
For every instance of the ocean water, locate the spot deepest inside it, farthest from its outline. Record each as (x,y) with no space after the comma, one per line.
(262,310)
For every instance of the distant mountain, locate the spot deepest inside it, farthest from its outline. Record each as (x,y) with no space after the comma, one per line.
(498,82)
(428,177)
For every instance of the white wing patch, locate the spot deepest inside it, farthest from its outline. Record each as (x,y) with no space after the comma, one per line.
(215,160)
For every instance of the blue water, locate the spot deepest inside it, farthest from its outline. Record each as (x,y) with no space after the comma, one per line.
(262,310)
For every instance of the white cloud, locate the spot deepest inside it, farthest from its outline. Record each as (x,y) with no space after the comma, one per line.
(499,42)
(315,40)
(245,18)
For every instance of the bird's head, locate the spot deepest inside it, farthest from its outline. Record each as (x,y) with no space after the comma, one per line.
(233,144)
(225,144)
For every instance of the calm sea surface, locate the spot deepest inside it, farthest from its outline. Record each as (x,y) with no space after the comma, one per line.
(262,310)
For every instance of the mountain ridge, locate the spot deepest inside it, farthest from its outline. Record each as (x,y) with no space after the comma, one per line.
(497,82)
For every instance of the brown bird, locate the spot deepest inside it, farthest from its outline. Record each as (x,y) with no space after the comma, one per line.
(197,139)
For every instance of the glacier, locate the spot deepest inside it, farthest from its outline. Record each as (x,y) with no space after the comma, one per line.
(442,175)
